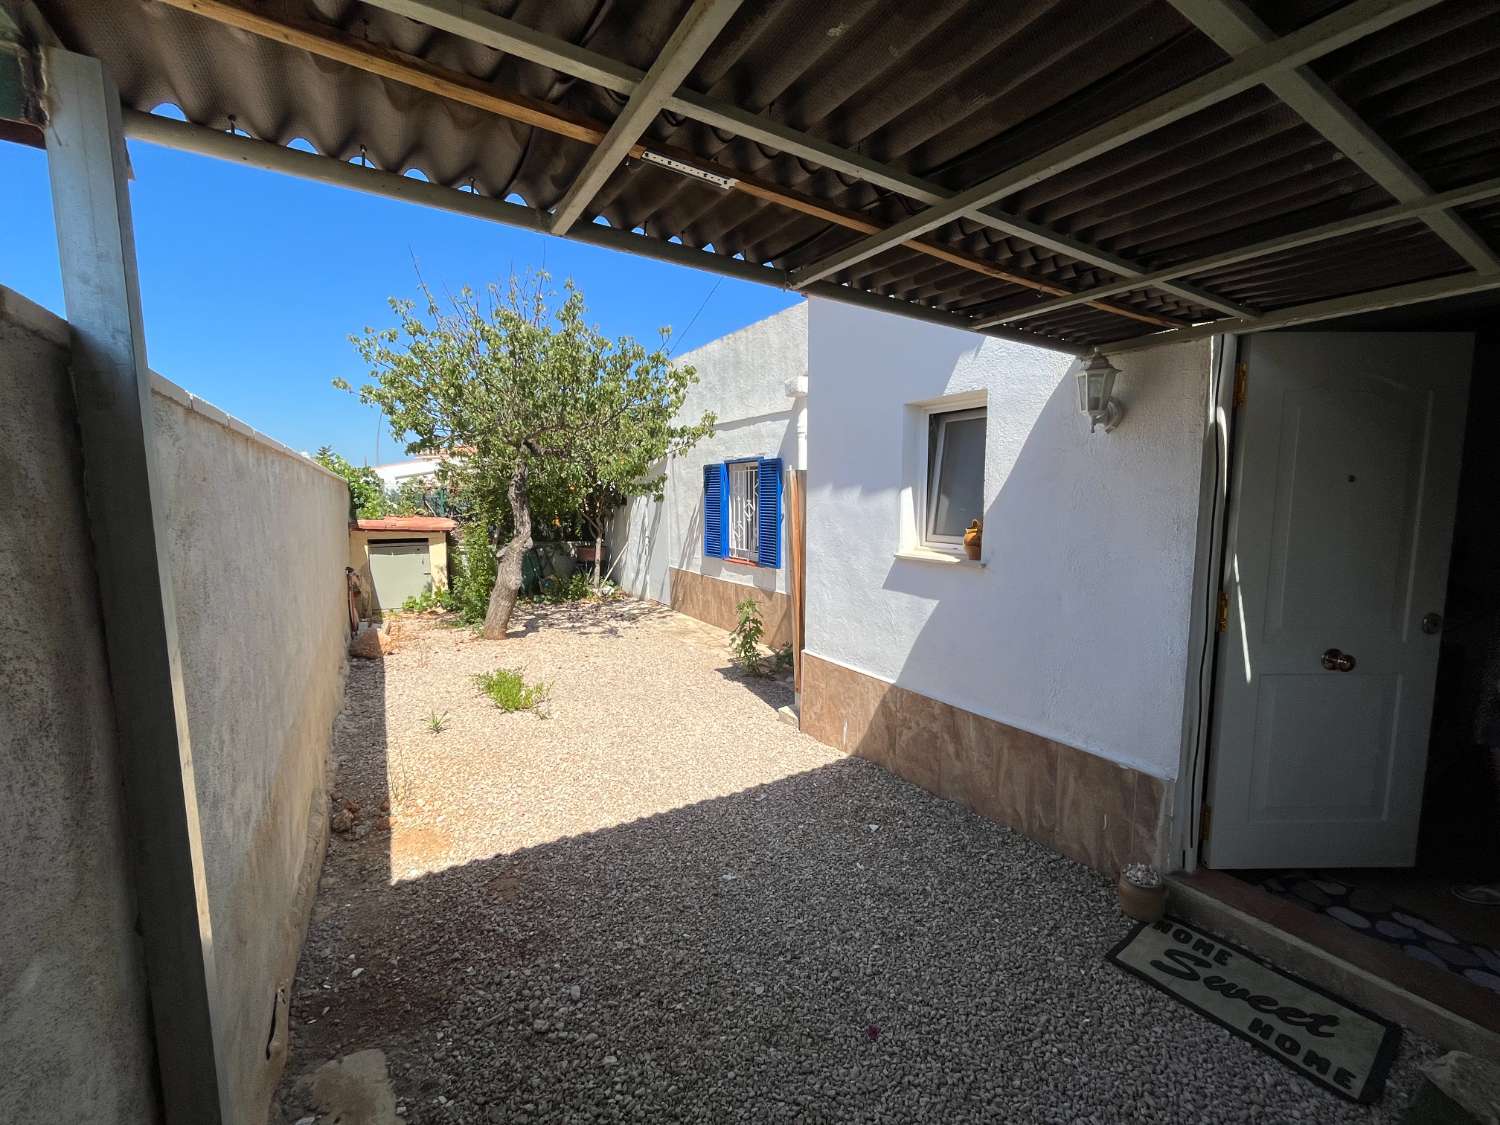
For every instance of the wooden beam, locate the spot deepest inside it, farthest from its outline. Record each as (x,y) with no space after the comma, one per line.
(1340,28)
(466,20)
(1386,216)
(689,40)
(396,66)
(1397,295)
(251,153)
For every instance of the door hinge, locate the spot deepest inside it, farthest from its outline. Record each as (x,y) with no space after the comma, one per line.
(1223,611)
(1205,822)
(1241,378)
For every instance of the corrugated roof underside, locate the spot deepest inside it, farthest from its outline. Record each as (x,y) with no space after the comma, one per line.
(951,90)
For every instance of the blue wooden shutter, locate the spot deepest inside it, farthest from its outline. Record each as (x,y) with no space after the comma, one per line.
(715,509)
(768,512)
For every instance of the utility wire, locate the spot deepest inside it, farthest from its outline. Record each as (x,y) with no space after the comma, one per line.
(689,328)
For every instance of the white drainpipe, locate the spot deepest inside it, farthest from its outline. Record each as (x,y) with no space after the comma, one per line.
(796,389)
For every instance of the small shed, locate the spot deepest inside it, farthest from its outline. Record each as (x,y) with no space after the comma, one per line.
(399,557)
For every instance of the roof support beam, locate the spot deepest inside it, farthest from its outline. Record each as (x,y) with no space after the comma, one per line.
(1413,293)
(1252,68)
(1236,29)
(468,21)
(1386,216)
(692,37)
(112,386)
(326,42)
(329,170)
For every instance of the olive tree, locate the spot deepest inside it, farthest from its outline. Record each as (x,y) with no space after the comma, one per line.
(525,398)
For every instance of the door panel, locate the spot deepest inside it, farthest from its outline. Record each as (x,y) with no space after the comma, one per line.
(399,570)
(1341,516)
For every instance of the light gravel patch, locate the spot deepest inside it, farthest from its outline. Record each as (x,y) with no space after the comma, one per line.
(656,901)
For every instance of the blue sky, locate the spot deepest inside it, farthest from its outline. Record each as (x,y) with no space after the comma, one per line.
(251,283)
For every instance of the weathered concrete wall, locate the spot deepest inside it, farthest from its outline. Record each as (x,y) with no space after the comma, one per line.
(258,542)
(258,539)
(74,1038)
(742,379)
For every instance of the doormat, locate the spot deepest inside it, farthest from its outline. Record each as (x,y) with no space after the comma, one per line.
(1338,1045)
(1371,913)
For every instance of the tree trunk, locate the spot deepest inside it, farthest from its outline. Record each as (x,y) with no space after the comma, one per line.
(598,556)
(507,585)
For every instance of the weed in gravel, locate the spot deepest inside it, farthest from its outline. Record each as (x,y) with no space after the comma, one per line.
(745,647)
(509,690)
(437,723)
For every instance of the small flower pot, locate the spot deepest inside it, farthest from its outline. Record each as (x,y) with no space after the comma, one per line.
(973,540)
(1144,904)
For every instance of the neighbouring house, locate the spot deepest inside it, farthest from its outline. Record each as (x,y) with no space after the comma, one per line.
(755,382)
(399,557)
(396,473)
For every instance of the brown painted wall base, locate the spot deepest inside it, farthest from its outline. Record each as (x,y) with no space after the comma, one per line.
(713,600)
(1091,810)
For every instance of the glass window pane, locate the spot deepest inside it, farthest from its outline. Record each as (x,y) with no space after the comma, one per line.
(960,485)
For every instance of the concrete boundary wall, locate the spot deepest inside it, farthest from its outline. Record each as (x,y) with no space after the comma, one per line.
(257,538)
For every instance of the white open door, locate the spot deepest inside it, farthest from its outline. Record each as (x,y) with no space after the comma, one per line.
(1340,523)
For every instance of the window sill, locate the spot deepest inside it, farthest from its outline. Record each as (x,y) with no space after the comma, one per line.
(942,558)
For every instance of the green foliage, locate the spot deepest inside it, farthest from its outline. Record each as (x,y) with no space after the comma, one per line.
(576,588)
(509,690)
(367,498)
(744,640)
(474,575)
(745,651)
(429,599)
(437,723)
(541,413)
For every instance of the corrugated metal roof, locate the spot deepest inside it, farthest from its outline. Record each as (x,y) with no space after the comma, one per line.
(952,91)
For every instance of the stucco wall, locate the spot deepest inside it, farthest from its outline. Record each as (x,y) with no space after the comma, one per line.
(742,379)
(258,540)
(1076,630)
(74,1038)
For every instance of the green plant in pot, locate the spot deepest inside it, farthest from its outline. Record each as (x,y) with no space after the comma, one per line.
(1143,893)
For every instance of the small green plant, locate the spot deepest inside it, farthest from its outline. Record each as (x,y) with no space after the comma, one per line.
(429,599)
(556,590)
(437,723)
(509,691)
(745,650)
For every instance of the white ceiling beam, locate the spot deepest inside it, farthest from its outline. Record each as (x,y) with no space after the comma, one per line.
(1236,29)
(1252,68)
(691,38)
(247,152)
(464,19)
(1386,216)
(1413,293)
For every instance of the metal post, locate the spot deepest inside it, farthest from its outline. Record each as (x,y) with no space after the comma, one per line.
(112,386)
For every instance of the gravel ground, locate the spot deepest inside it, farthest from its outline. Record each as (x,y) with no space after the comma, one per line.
(659,902)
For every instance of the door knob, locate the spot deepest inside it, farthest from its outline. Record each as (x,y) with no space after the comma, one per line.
(1336,661)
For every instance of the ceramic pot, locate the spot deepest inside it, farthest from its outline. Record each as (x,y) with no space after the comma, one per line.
(1144,904)
(973,537)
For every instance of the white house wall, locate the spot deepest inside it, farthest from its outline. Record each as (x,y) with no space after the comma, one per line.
(1076,630)
(742,379)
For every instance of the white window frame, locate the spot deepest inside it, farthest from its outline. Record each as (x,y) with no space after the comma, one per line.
(742,536)
(934,472)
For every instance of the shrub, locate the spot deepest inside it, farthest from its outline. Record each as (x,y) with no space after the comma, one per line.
(509,691)
(475,574)
(556,590)
(429,599)
(745,648)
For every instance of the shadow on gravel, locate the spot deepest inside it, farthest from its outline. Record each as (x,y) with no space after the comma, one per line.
(838,945)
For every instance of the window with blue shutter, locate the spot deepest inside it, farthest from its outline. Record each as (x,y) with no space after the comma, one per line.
(768,512)
(715,509)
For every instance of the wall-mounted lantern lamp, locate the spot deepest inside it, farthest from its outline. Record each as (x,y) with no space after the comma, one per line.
(1096,384)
